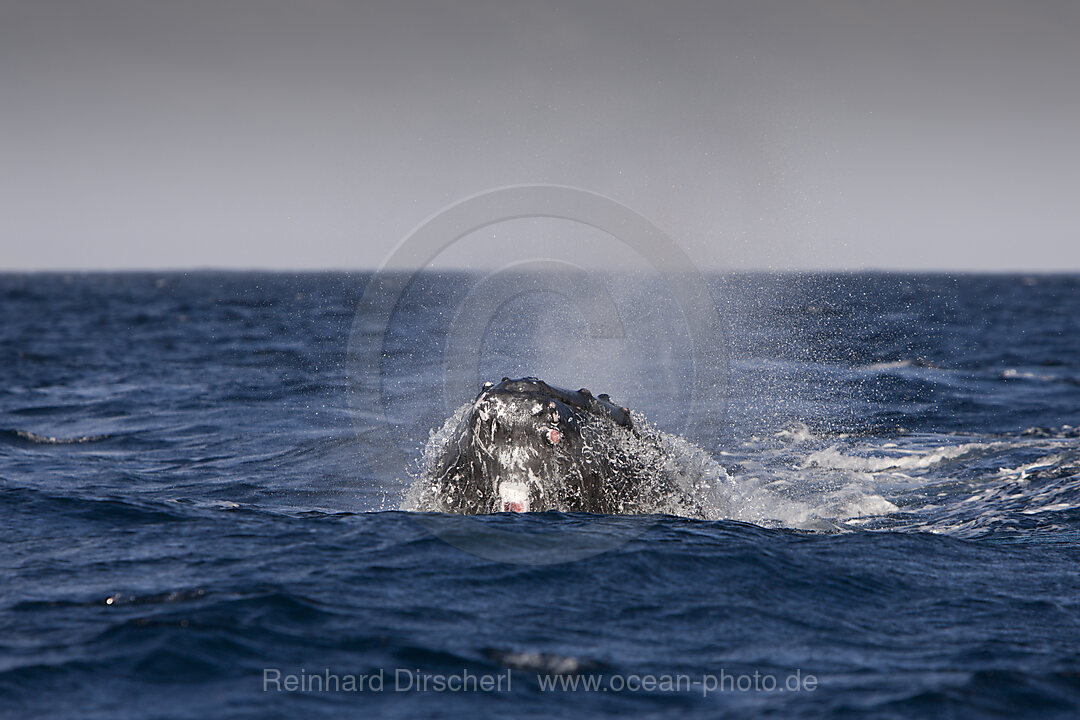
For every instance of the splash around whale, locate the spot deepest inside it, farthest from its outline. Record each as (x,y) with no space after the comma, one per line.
(525,446)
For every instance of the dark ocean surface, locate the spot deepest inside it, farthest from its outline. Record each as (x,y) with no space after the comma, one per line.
(196,507)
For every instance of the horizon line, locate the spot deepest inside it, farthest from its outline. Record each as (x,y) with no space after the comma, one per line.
(253,270)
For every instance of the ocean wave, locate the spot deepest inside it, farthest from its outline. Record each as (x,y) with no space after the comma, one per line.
(32,438)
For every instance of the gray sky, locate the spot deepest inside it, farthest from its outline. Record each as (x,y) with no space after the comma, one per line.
(807,134)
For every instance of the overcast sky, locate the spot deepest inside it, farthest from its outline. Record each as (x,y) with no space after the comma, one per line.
(936,134)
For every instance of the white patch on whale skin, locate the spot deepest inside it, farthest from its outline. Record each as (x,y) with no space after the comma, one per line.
(513,496)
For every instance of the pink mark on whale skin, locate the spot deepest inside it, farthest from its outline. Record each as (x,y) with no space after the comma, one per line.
(554,436)
(512,506)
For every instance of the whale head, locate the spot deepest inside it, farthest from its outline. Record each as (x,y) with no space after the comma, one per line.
(521,447)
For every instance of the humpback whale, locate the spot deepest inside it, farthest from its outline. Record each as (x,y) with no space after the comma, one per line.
(523,445)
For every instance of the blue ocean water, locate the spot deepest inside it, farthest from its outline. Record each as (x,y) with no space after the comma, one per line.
(195,520)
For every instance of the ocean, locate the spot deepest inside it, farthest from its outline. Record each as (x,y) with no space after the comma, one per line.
(203,502)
